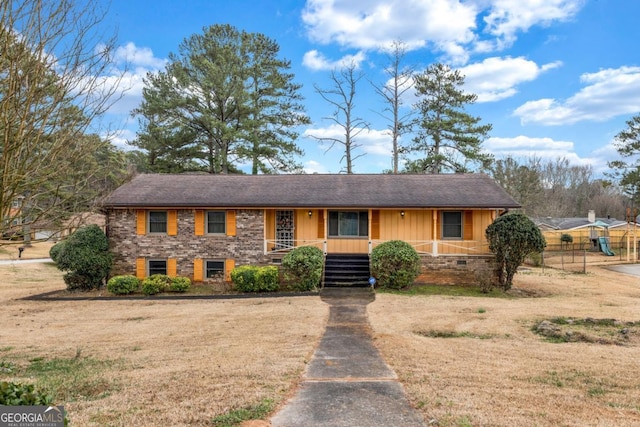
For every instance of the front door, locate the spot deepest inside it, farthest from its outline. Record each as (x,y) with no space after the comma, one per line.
(284,230)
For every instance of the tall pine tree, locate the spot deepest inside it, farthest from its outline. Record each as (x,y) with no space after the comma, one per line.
(448,138)
(224,100)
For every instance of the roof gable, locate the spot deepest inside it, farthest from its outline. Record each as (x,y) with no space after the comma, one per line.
(345,191)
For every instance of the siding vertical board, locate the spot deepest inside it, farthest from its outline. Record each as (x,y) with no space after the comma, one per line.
(141,222)
(229,265)
(199,222)
(198,270)
(468,225)
(172,222)
(231,223)
(375,224)
(141,268)
(320,223)
(172,267)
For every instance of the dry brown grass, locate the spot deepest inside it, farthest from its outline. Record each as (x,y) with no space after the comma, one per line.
(497,372)
(177,362)
(183,362)
(9,250)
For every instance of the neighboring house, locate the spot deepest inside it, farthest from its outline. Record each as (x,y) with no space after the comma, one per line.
(585,233)
(202,226)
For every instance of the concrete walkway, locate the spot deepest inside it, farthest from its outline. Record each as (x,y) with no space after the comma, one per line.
(347,383)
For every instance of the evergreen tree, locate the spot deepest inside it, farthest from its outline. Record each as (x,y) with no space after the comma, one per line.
(448,137)
(627,171)
(224,99)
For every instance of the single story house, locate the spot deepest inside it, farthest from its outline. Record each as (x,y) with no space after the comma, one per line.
(202,226)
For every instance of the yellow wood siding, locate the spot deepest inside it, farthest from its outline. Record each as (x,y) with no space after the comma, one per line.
(414,226)
(375,224)
(231,223)
(321,227)
(467,233)
(347,246)
(172,267)
(198,270)
(141,222)
(229,265)
(199,222)
(141,268)
(172,223)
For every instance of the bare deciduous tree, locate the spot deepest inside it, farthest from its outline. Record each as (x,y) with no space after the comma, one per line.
(342,97)
(399,82)
(54,64)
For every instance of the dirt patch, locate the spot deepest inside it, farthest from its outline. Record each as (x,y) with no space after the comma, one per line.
(589,330)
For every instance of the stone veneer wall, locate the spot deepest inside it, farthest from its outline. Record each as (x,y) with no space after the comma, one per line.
(454,269)
(246,247)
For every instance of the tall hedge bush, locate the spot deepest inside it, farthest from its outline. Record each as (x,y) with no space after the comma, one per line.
(395,264)
(303,267)
(512,238)
(85,258)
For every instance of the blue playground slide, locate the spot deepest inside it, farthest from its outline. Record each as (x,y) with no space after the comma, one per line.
(604,247)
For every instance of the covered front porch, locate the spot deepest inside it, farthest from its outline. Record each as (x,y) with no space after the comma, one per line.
(433,232)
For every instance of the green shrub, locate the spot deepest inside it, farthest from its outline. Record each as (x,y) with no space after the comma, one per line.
(123,285)
(268,279)
(85,257)
(512,238)
(250,278)
(303,267)
(16,394)
(155,284)
(55,250)
(395,264)
(243,278)
(180,284)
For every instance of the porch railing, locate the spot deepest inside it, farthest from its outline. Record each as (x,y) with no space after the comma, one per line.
(444,247)
(272,246)
(426,247)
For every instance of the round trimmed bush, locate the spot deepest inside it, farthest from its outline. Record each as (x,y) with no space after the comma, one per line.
(303,267)
(55,250)
(85,257)
(180,284)
(251,278)
(122,285)
(155,284)
(395,264)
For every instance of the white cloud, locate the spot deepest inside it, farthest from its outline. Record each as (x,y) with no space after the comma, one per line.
(369,141)
(134,62)
(317,61)
(446,26)
(312,166)
(138,57)
(497,78)
(373,24)
(508,17)
(609,93)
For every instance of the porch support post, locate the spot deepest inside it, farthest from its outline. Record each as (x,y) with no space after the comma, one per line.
(434,233)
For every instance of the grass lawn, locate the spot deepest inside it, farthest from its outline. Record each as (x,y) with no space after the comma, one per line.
(464,359)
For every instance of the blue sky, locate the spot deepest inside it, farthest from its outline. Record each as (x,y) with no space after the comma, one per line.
(555,78)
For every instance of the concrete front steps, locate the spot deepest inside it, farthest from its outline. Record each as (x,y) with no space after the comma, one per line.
(346,270)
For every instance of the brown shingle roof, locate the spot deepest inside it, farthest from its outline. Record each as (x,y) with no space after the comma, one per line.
(306,191)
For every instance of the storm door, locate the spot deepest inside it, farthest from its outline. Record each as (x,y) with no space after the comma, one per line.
(284,230)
